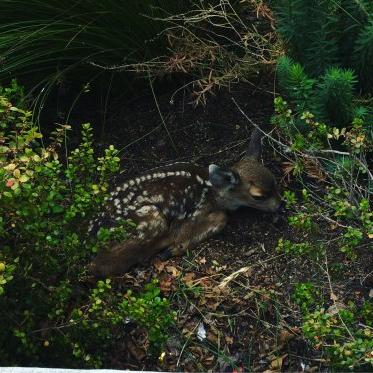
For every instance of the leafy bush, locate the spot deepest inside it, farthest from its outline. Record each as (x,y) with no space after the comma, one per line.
(150,311)
(46,203)
(333,202)
(344,203)
(344,334)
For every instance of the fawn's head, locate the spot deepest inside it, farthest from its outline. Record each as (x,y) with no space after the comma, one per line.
(247,183)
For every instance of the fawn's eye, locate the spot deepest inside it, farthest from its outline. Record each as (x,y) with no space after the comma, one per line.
(259,198)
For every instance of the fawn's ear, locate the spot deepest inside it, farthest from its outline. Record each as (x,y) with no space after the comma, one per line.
(254,150)
(222,178)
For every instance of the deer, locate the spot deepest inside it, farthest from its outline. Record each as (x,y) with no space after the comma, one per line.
(175,207)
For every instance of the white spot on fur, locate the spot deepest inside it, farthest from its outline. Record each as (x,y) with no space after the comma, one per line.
(144,210)
(157,198)
(199,179)
(182,216)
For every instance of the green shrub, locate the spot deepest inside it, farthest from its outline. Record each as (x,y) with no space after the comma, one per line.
(332,210)
(305,296)
(332,47)
(150,311)
(48,315)
(323,33)
(334,97)
(348,341)
(363,56)
(330,97)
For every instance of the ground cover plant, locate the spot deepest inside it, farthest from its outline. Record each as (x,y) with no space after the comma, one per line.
(271,293)
(44,198)
(335,188)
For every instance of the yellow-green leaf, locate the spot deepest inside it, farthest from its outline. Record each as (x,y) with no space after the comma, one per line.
(10,167)
(17,173)
(23,178)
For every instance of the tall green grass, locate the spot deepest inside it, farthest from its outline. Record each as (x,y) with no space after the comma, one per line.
(41,39)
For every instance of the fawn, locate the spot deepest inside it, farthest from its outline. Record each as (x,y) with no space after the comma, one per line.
(177,206)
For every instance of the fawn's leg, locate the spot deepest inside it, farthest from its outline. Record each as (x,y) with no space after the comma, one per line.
(192,232)
(120,258)
(152,235)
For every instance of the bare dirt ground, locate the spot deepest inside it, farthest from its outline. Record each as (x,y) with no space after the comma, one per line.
(232,294)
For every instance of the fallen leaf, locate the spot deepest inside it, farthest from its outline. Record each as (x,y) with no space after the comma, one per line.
(165,284)
(173,271)
(159,265)
(284,337)
(336,307)
(276,364)
(213,338)
(202,260)
(333,297)
(201,332)
(188,278)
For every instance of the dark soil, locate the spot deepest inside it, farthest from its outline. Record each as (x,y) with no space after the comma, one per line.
(250,323)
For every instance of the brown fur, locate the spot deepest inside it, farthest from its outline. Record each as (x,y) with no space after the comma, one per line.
(180,205)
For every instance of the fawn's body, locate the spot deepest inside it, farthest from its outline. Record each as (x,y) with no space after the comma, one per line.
(179,205)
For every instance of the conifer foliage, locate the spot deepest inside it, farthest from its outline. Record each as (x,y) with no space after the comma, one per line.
(331,49)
